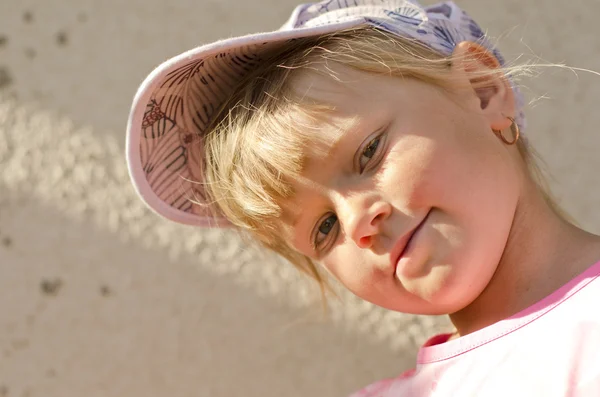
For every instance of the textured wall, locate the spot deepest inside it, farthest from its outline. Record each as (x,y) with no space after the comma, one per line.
(98,297)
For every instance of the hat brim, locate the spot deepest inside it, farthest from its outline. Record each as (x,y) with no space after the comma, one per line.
(169,202)
(177,101)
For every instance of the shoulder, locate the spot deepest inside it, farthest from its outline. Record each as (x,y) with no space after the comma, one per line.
(380,388)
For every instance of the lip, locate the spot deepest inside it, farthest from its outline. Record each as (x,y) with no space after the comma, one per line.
(400,247)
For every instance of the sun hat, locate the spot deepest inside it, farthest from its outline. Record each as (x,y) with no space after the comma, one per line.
(175,103)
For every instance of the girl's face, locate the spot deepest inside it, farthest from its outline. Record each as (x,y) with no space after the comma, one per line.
(412,207)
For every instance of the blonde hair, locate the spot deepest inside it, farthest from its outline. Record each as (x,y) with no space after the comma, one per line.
(257,144)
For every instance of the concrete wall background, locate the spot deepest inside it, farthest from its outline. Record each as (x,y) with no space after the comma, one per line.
(98,297)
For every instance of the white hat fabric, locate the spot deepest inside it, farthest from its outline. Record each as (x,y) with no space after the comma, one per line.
(175,103)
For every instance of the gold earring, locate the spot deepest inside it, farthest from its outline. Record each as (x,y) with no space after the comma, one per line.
(514,128)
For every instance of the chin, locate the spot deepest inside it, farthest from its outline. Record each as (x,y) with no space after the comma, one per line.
(444,290)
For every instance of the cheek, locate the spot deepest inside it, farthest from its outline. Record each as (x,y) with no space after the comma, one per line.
(409,175)
(473,189)
(482,192)
(477,213)
(352,267)
(463,172)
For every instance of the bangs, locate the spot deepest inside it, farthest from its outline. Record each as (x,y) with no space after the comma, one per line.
(264,134)
(260,140)
(266,143)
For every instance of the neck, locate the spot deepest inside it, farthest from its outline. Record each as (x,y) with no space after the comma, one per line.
(543,252)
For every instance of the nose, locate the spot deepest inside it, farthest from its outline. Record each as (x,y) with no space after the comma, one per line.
(365,218)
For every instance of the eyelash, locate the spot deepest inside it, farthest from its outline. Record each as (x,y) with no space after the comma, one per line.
(378,140)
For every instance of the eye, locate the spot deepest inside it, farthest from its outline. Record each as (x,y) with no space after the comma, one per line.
(368,153)
(325,229)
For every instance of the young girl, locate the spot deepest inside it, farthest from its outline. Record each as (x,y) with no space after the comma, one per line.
(383,142)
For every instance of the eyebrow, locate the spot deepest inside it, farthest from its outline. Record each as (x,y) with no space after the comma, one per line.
(331,151)
(337,140)
(294,219)
(296,216)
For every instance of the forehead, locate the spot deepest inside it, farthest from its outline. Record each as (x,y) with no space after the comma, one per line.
(341,97)
(338,90)
(336,86)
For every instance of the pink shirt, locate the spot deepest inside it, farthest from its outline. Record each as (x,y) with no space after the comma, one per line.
(550,349)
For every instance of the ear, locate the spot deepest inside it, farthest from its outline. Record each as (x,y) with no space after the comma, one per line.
(479,69)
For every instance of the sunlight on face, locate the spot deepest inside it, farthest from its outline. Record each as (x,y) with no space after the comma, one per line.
(412,206)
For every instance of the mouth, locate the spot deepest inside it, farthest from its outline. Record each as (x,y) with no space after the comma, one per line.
(402,245)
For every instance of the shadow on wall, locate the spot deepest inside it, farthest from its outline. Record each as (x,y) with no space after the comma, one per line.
(103,297)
